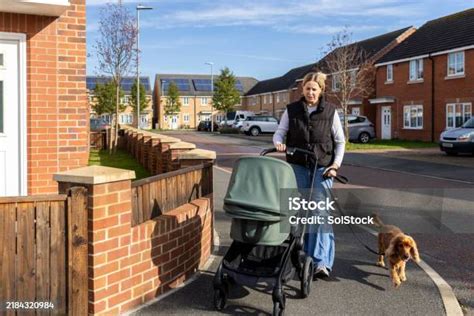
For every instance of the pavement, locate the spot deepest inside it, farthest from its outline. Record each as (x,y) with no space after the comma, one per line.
(356,286)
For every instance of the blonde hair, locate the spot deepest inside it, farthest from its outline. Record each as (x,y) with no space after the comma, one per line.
(318,77)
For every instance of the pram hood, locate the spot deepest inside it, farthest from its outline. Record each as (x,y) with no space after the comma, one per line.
(254,190)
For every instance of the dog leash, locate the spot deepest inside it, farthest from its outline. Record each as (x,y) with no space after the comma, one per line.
(345,181)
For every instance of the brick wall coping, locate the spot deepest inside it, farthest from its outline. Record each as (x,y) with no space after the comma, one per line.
(182,145)
(94,175)
(170,140)
(198,154)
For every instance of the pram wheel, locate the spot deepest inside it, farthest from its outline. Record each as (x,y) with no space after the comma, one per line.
(307,277)
(278,308)
(220,299)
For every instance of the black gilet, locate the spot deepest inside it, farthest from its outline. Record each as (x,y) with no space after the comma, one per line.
(311,132)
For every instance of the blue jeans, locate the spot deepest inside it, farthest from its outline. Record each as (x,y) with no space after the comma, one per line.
(319,239)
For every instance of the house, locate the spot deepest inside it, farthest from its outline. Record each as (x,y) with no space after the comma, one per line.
(370,49)
(43,106)
(424,85)
(127,116)
(271,96)
(195,94)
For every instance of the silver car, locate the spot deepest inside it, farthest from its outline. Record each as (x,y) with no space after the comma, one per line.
(255,125)
(458,140)
(360,128)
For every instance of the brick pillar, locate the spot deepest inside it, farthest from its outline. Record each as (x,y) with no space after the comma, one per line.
(109,230)
(152,151)
(163,148)
(138,147)
(145,144)
(175,149)
(196,157)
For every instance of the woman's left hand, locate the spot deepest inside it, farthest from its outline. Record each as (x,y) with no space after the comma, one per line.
(331,171)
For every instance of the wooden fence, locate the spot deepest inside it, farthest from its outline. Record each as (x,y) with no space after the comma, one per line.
(156,195)
(43,253)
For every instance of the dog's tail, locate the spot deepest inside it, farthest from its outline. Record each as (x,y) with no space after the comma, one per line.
(377,221)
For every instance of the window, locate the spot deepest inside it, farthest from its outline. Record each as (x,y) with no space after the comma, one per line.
(185,101)
(336,83)
(413,116)
(186,118)
(389,73)
(353,78)
(277,98)
(270,98)
(265,99)
(126,118)
(416,69)
(457,114)
(456,64)
(204,101)
(1,106)
(355,111)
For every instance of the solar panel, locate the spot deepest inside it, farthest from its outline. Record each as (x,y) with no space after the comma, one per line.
(238,86)
(202,84)
(182,84)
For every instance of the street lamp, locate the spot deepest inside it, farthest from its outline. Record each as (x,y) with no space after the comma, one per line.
(212,94)
(139,8)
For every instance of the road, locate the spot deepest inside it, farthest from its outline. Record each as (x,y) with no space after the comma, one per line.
(411,192)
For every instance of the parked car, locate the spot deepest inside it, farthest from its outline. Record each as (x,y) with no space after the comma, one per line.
(458,140)
(238,124)
(234,116)
(206,126)
(98,124)
(255,125)
(361,128)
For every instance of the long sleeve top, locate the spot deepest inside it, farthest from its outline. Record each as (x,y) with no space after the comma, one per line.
(336,131)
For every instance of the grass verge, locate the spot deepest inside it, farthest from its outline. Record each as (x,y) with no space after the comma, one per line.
(121,159)
(390,144)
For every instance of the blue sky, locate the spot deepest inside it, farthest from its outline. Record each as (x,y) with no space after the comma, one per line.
(261,39)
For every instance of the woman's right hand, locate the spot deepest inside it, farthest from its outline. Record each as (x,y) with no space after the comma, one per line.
(280,147)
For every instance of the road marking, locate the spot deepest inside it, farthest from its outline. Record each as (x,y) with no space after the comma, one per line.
(411,173)
(450,302)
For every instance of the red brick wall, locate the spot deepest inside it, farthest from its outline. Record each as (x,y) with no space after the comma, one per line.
(57,117)
(446,91)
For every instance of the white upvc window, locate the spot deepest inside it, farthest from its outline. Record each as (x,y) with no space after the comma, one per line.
(336,82)
(353,77)
(265,99)
(416,69)
(390,73)
(270,98)
(277,98)
(457,114)
(185,101)
(186,118)
(204,101)
(413,116)
(456,64)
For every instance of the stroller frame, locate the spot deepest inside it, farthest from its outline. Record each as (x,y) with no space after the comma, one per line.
(293,260)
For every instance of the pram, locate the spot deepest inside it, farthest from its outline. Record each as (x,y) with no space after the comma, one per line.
(265,247)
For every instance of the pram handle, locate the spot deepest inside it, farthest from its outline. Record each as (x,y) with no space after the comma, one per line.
(289,151)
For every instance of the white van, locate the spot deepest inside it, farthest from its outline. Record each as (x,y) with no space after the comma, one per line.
(233,117)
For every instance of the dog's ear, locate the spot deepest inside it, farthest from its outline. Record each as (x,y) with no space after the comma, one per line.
(414,250)
(392,247)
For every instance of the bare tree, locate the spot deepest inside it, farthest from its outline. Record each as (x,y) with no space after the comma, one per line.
(115,52)
(351,71)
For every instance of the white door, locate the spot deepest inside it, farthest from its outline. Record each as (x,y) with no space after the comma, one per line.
(174,122)
(386,122)
(10,166)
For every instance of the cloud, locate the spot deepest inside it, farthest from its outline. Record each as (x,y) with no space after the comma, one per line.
(277,14)
(267,58)
(324,30)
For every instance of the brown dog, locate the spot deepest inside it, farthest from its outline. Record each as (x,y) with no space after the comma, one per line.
(397,247)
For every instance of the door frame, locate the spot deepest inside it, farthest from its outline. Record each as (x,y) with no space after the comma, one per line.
(382,121)
(22,99)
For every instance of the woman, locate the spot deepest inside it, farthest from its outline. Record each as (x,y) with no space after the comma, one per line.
(313,125)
